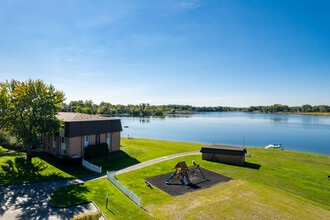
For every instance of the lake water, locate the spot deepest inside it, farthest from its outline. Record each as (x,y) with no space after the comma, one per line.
(295,132)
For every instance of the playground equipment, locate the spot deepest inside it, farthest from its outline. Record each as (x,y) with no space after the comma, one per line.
(182,174)
(148,183)
(196,167)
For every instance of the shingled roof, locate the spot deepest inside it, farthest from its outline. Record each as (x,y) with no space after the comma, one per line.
(73,116)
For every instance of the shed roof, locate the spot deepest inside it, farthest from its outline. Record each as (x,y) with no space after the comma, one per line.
(221,149)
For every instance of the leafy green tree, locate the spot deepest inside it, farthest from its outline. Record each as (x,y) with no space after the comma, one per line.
(28,109)
(306,108)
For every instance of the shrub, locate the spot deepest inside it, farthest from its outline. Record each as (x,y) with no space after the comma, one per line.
(90,216)
(9,142)
(96,150)
(20,163)
(8,167)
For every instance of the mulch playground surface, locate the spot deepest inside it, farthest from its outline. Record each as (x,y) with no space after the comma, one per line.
(175,188)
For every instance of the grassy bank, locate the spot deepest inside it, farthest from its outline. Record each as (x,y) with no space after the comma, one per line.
(285,184)
(54,168)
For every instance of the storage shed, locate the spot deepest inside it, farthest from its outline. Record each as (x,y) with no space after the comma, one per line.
(224,154)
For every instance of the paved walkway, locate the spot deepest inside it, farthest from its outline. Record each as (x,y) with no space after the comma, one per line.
(30,201)
(157,160)
(140,165)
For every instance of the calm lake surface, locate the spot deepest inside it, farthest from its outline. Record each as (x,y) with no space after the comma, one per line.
(295,132)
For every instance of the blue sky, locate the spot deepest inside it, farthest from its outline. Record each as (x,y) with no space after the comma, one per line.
(230,53)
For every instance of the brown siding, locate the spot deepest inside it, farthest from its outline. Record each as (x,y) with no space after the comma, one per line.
(74,146)
(209,157)
(103,138)
(47,144)
(58,145)
(231,159)
(222,158)
(92,139)
(115,141)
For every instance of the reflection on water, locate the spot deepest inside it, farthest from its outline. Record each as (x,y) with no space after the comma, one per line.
(295,132)
(278,119)
(144,120)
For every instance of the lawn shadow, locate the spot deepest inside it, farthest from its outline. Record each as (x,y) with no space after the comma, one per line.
(111,211)
(114,161)
(252,165)
(17,171)
(70,195)
(76,171)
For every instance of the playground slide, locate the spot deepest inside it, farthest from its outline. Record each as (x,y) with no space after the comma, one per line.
(186,180)
(174,174)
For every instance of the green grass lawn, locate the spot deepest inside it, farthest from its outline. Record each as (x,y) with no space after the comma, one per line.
(132,151)
(272,183)
(55,169)
(138,150)
(119,206)
(237,199)
(2,150)
(301,174)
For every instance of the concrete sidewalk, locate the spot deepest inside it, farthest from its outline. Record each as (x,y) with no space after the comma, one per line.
(141,165)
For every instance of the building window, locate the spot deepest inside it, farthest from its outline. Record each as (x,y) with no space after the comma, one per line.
(97,138)
(63,146)
(41,138)
(86,140)
(109,141)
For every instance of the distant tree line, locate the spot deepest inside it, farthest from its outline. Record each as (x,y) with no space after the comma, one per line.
(284,108)
(145,109)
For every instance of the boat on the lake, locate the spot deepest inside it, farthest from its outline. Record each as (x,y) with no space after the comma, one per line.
(274,146)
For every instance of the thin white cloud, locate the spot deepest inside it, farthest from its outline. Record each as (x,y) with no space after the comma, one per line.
(190,4)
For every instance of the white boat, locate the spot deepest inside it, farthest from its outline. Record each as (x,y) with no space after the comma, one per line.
(274,146)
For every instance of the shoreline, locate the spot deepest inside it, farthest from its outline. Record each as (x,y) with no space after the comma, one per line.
(195,112)
(232,145)
(304,113)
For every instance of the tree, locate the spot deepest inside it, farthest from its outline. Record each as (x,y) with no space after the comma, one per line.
(28,109)
(306,108)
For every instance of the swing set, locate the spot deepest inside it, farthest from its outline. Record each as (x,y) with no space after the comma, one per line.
(181,172)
